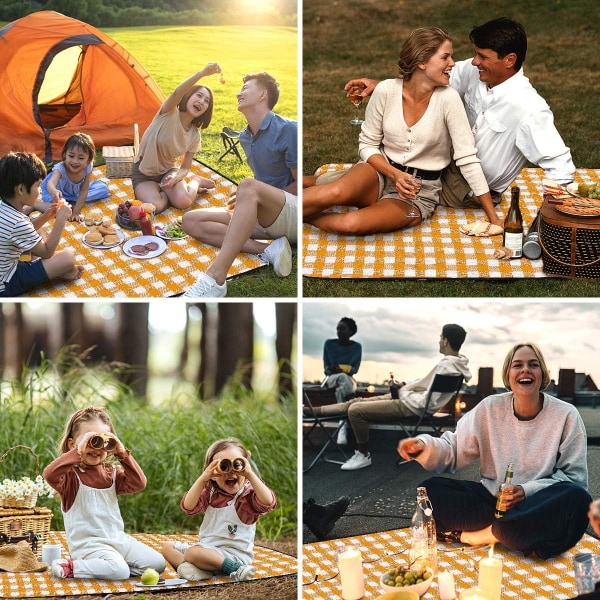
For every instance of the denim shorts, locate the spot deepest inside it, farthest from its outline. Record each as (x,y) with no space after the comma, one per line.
(28,275)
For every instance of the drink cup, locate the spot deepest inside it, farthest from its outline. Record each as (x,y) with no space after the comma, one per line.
(587,572)
(50,552)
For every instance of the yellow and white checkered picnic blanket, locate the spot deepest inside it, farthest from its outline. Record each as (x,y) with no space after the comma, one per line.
(434,249)
(522,578)
(111,273)
(268,563)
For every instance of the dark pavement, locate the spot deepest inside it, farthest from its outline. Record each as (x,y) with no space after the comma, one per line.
(383,495)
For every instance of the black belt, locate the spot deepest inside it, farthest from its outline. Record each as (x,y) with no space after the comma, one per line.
(416,172)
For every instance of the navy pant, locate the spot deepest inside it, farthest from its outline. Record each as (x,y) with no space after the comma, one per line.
(547,523)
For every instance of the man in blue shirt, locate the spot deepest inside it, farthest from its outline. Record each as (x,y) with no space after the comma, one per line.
(266,206)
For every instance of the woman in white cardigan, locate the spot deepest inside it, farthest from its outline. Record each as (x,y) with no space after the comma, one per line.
(414,125)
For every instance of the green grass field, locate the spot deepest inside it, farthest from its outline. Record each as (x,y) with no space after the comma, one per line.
(172,54)
(362,38)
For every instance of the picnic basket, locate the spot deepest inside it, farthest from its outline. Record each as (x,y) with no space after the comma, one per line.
(20,519)
(570,244)
(119,159)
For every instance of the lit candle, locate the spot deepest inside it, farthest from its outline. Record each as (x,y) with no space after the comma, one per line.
(446,586)
(474,594)
(351,573)
(490,576)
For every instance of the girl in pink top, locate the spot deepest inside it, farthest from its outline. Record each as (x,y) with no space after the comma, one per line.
(88,488)
(232,497)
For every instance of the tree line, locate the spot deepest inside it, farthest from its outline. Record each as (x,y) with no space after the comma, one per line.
(133,13)
(226,343)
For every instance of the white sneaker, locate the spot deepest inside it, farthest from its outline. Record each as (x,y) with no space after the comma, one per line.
(192,572)
(243,573)
(206,287)
(358,461)
(279,254)
(342,436)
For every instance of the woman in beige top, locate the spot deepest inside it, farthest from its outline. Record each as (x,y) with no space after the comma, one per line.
(414,125)
(173,137)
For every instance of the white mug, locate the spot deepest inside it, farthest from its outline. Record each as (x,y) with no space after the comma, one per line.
(50,552)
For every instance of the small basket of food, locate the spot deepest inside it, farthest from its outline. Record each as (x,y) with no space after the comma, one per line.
(130,213)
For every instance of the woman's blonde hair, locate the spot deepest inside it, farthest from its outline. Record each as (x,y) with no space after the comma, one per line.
(91,413)
(538,353)
(420,46)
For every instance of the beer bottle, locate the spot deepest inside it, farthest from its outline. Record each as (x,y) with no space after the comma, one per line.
(501,502)
(394,387)
(513,225)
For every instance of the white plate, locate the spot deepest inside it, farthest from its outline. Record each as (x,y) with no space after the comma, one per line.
(161,584)
(118,232)
(160,232)
(141,240)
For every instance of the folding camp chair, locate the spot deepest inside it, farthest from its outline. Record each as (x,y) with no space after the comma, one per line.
(230,139)
(313,423)
(443,384)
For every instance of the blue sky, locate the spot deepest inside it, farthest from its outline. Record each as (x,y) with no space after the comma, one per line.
(401,334)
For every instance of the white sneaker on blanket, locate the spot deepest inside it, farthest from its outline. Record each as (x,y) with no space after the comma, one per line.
(192,572)
(243,573)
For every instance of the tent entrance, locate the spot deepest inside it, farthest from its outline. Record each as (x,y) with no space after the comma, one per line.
(59,97)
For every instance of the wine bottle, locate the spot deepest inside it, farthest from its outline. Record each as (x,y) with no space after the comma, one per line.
(513,225)
(531,246)
(394,387)
(423,550)
(501,502)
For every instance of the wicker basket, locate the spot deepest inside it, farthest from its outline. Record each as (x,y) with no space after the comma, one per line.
(31,525)
(119,161)
(570,245)
(27,501)
(20,519)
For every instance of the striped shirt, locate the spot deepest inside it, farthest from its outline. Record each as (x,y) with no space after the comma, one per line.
(17,235)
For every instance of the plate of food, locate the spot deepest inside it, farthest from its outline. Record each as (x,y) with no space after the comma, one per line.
(172,231)
(103,237)
(144,246)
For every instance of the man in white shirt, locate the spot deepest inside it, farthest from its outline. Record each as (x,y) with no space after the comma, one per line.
(511,122)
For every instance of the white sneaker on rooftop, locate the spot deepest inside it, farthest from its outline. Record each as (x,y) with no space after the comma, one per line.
(358,461)
(279,254)
(342,436)
(206,287)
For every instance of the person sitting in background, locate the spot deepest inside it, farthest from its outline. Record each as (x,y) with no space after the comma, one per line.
(411,401)
(544,438)
(341,361)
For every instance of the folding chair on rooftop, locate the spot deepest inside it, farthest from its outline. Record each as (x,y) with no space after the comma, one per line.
(443,384)
(313,423)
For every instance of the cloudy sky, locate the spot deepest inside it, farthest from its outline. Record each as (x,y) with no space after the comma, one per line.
(402,334)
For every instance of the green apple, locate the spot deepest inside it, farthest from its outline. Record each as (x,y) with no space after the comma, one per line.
(150,577)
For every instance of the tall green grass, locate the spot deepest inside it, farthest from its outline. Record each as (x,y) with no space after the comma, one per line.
(168,441)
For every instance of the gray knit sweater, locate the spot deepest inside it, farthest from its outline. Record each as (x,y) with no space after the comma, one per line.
(550,448)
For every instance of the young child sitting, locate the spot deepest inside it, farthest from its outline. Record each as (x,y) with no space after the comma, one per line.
(71,179)
(21,174)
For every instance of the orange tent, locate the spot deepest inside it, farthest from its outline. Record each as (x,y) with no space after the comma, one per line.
(59,76)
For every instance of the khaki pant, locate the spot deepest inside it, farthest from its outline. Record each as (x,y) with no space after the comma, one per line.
(455,190)
(362,411)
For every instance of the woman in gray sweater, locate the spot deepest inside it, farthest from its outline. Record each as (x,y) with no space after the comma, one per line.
(414,125)
(545,440)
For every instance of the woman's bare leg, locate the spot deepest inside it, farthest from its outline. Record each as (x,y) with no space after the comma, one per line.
(357,187)
(384,216)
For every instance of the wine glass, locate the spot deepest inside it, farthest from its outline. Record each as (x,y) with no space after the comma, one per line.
(356,99)
(418,183)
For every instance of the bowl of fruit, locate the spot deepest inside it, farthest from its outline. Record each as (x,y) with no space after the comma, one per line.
(130,212)
(415,578)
